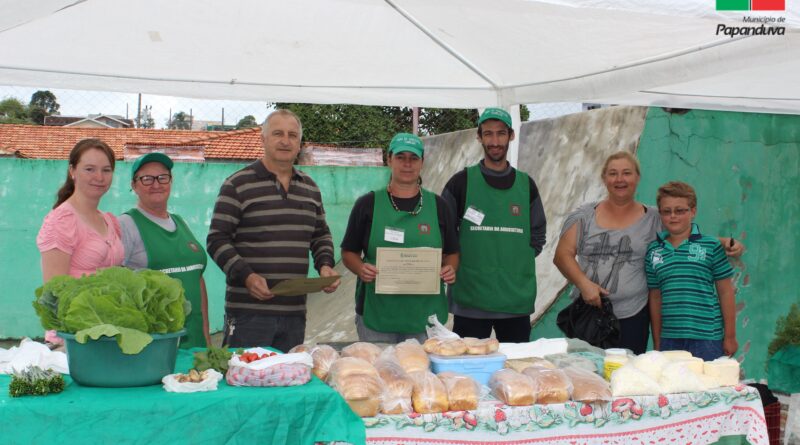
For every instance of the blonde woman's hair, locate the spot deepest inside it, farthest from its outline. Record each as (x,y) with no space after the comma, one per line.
(621,155)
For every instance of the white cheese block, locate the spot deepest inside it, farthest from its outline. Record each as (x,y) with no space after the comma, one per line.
(724,369)
(676,377)
(650,363)
(710,381)
(676,355)
(631,381)
(695,364)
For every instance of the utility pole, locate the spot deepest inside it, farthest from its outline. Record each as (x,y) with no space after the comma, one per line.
(415,120)
(139,113)
(223,117)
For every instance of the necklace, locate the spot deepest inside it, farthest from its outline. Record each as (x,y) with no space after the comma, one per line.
(414,212)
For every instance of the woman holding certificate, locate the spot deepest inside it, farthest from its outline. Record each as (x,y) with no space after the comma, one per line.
(400,216)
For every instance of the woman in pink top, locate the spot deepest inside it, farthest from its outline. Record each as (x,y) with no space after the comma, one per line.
(76,238)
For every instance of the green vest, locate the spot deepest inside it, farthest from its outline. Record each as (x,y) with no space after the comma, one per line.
(179,255)
(497,271)
(402,314)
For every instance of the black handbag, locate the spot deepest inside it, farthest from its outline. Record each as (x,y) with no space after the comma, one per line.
(597,326)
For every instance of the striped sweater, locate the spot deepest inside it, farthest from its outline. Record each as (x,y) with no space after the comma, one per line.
(257,227)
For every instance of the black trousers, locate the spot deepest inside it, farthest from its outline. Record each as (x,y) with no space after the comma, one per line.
(635,331)
(506,330)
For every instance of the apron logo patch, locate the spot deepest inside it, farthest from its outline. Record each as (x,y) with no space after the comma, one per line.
(194,247)
(424,229)
(515,210)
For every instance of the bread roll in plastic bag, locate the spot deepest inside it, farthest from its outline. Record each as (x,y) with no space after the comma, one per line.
(397,385)
(481,346)
(429,394)
(588,386)
(512,388)
(363,350)
(323,356)
(463,392)
(522,363)
(445,346)
(549,385)
(412,356)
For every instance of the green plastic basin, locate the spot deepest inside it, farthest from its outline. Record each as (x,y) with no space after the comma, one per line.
(101,363)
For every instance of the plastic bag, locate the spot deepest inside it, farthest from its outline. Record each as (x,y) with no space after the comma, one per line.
(323,356)
(512,388)
(549,385)
(576,360)
(397,385)
(597,326)
(463,392)
(363,350)
(435,329)
(445,346)
(587,386)
(429,395)
(279,370)
(631,381)
(411,356)
(358,382)
(171,383)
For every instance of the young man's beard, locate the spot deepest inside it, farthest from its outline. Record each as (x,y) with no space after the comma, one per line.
(498,158)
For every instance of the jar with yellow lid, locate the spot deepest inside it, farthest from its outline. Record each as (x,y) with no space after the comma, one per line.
(615,358)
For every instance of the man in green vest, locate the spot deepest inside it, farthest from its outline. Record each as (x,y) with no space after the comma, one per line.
(502,227)
(159,240)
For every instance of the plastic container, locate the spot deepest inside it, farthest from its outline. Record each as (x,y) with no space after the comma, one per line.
(479,367)
(615,358)
(101,363)
(772,414)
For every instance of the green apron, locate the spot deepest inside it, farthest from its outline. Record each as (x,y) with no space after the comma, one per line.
(402,314)
(497,271)
(179,255)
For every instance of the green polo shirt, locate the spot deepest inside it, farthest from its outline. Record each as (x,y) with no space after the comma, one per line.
(686,276)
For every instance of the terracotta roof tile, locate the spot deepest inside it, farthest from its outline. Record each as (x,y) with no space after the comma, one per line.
(41,142)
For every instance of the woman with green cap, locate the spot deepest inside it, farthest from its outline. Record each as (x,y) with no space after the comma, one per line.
(159,240)
(403,215)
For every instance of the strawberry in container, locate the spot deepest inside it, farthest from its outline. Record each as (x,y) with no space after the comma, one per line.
(262,367)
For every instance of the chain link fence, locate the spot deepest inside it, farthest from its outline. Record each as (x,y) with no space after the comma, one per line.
(324,124)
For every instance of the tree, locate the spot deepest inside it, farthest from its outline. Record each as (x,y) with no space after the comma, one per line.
(247,122)
(180,121)
(445,120)
(12,111)
(43,103)
(350,125)
(46,101)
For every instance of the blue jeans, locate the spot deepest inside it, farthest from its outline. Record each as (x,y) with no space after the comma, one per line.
(705,349)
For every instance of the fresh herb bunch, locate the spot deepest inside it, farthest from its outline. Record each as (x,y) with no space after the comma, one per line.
(216,358)
(787,331)
(35,381)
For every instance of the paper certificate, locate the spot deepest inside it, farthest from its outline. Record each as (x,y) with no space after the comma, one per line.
(408,271)
(302,286)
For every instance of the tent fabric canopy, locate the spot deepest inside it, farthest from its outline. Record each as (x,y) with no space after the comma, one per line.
(442,53)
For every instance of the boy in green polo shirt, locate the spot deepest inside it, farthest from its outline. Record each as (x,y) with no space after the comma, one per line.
(692,305)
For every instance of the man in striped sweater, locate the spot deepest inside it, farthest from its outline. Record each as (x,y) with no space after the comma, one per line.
(267,217)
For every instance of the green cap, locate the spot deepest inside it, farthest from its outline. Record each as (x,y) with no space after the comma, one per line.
(161,158)
(406,142)
(496,113)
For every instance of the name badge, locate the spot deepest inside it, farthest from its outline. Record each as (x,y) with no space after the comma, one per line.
(394,235)
(474,215)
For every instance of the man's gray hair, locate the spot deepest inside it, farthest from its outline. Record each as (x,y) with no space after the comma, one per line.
(281,112)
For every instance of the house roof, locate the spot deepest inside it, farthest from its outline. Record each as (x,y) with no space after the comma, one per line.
(45,142)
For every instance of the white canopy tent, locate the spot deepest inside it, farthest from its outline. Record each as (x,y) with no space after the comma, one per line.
(443,53)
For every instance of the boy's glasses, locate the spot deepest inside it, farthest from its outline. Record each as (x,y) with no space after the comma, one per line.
(149,179)
(677,212)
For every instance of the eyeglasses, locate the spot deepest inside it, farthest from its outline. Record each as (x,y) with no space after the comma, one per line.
(677,212)
(149,179)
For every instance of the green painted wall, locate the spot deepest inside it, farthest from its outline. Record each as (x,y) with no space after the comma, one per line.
(27,192)
(744,167)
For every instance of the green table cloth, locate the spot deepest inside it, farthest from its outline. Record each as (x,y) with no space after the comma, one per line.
(149,415)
